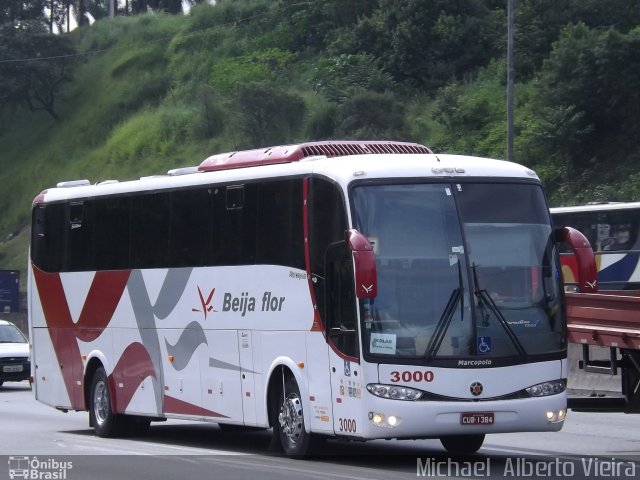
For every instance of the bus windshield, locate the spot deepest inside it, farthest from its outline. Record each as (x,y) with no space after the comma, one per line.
(464,271)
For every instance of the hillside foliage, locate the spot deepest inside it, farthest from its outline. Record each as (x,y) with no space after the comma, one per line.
(140,94)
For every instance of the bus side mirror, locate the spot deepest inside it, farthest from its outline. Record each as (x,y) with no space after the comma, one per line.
(587,271)
(364,262)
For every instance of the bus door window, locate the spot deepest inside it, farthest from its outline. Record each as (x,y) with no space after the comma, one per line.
(327,224)
(342,324)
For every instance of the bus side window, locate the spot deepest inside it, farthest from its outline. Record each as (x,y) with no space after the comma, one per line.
(47,233)
(78,251)
(342,323)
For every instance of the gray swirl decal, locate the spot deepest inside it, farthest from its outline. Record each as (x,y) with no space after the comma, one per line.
(172,288)
(192,337)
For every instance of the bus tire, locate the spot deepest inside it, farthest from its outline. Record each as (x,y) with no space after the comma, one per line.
(105,422)
(288,424)
(462,444)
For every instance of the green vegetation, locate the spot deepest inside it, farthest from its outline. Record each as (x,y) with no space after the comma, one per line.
(155,91)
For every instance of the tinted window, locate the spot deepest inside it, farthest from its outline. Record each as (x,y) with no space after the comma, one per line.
(150,230)
(191,227)
(112,233)
(280,234)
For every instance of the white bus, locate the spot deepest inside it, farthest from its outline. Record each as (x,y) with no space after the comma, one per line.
(354,290)
(613,229)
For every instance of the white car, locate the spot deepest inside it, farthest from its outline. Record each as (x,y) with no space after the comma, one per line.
(15,364)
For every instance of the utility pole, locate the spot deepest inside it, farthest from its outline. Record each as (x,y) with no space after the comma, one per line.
(510,73)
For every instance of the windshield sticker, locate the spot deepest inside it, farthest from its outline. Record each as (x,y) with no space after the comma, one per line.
(484,345)
(448,191)
(383,343)
(453,259)
(526,322)
(375,243)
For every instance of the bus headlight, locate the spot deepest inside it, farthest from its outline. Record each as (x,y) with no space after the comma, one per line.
(394,392)
(547,388)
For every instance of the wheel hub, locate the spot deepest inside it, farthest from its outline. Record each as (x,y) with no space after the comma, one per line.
(290,418)
(100,403)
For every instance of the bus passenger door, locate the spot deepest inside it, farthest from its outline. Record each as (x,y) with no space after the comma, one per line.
(342,335)
(247,381)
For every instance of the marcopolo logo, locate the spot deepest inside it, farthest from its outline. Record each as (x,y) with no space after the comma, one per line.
(38,469)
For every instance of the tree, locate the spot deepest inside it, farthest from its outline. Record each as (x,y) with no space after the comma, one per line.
(539,23)
(372,115)
(588,102)
(12,11)
(33,66)
(169,6)
(429,43)
(268,115)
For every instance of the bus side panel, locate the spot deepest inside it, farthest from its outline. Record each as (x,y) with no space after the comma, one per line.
(49,386)
(319,383)
(247,377)
(138,383)
(181,367)
(219,383)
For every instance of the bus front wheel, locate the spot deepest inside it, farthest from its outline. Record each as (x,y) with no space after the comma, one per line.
(462,444)
(288,424)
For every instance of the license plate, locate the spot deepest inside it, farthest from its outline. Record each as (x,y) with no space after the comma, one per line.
(477,418)
(12,368)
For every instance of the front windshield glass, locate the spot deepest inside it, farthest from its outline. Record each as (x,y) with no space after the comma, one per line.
(481,283)
(421,269)
(514,269)
(11,334)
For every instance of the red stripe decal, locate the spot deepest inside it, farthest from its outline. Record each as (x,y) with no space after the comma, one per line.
(174,405)
(133,367)
(103,298)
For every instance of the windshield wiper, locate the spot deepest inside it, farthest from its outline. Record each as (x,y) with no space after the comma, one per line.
(486,300)
(445,319)
(443,323)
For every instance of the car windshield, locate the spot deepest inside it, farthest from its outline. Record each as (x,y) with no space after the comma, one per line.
(464,271)
(11,334)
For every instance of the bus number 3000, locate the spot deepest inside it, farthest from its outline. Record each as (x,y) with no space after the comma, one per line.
(347,425)
(416,376)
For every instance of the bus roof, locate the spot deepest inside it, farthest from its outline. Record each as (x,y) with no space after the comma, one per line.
(341,161)
(597,207)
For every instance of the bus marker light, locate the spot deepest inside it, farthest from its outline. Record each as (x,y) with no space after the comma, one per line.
(376,417)
(170,357)
(557,416)
(379,420)
(300,364)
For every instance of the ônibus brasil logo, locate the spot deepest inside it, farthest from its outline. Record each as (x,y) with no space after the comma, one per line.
(37,469)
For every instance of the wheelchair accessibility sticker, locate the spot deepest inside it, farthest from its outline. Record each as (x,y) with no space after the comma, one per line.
(484,345)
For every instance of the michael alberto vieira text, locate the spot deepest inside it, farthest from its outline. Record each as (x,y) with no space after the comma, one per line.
(521,467)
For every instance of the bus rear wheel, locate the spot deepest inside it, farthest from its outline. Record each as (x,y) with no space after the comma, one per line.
(105,423)
(462,444)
